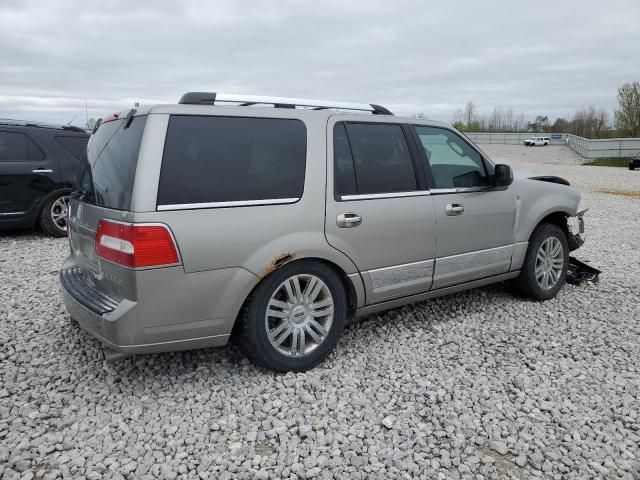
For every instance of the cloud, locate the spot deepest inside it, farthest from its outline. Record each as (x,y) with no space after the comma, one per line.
(411,56)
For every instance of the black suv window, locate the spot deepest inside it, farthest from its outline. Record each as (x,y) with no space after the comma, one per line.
(454,163)
(227,159)
(372,158)
(76,146)
(17,147)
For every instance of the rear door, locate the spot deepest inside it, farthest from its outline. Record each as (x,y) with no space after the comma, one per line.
(475,222)
(27,173)
(379,212)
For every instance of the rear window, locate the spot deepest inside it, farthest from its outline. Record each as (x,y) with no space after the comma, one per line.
(232,159)
(112,155)
(76,146)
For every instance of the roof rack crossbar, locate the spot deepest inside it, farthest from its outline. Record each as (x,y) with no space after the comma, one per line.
(210,98)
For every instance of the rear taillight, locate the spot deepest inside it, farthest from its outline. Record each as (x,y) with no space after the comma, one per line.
(136,245)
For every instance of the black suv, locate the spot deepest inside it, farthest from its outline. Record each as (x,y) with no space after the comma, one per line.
(38,164)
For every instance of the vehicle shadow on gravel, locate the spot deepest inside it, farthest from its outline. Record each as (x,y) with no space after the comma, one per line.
(24,234)
(227,364)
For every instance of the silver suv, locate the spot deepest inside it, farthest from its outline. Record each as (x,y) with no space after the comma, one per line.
(221,218)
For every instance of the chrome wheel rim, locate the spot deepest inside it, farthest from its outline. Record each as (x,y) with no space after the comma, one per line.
(58,212)
(299,315)
(549,263)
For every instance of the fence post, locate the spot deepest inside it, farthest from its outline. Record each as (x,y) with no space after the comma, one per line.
(619,148)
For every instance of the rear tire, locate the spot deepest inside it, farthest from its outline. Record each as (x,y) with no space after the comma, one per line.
(53,216)
(545,265)
(631,167)
(292,321)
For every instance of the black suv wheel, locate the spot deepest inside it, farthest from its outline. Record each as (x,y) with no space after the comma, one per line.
(53,216)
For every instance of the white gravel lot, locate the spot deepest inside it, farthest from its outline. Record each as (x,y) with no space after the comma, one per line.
(475,385)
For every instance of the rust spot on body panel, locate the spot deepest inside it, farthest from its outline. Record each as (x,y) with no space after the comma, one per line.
(278,262)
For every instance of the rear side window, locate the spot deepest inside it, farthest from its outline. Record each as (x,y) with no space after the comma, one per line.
(112,154)
(18,147)
(76,146)
(372,158)
(232,159)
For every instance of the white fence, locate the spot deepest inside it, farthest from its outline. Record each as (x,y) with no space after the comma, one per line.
(611,147)
(515,138)
(585,147)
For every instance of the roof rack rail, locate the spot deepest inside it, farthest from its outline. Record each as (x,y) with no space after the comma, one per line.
(210,98)
(29,123)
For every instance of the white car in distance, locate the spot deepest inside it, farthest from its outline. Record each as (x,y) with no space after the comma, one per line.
(536,141)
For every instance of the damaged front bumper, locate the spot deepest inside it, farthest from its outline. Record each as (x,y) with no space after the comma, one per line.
(577,271)
(575,227)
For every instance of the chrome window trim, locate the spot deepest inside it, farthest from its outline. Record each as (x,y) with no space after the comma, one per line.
(443,191)
(238,203)
(373,196)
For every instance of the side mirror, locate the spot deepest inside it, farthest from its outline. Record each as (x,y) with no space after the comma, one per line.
(503,175)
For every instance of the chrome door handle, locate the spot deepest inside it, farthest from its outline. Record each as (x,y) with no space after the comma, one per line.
(42,170)
(348,220)
(454,209)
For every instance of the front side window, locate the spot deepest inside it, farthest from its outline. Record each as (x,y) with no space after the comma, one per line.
(372,158)
(232,159)
(454,163)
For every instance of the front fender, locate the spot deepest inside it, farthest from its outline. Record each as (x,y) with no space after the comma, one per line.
(537,200)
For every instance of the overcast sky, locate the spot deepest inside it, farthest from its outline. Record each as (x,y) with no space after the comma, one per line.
(545,57)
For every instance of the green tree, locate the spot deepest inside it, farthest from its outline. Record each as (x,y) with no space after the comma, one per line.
(628,113)
(458,125)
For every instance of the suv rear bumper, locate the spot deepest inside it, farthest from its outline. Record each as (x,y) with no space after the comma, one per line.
(131,327)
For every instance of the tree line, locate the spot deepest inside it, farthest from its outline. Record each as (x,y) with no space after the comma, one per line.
(589,121)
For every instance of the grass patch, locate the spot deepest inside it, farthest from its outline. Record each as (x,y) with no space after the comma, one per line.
(624,193)
(609,162)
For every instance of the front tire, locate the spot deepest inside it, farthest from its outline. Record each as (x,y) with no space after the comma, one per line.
(545,265)
(294,318)
(53,216)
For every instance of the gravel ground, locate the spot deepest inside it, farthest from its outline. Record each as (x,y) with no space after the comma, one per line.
(475,385)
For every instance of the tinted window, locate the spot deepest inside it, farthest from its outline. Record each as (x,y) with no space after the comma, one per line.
(380,157)
(225,159)
(76,146)
(13,147)
(345,174)
(454,163)
(112,155)
(18,147)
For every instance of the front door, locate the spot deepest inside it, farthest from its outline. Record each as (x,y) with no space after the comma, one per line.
(379,212)
(475,222)
(26,174)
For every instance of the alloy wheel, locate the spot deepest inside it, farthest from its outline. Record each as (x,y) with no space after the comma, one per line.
(58,212)
(299,315)
(549,263)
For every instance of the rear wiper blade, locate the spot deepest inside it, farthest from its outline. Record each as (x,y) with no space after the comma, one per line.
(129,118)
(95,127)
